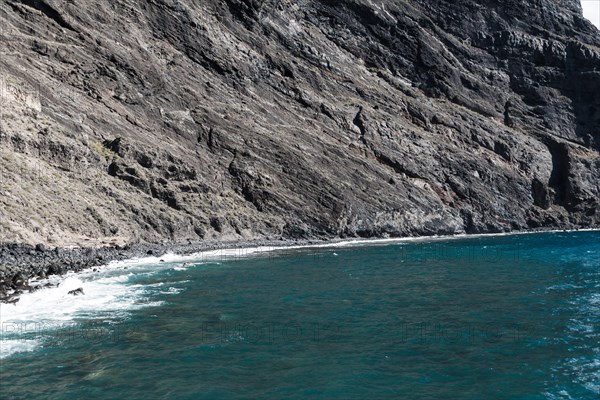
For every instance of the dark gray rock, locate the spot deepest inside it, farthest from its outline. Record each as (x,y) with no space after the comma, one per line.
(76,292)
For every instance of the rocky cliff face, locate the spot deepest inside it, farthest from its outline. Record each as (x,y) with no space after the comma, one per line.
(224,119)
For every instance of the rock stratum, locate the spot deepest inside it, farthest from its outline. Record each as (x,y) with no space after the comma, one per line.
(187,120)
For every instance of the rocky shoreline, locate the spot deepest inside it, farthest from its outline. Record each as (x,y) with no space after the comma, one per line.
(21,263)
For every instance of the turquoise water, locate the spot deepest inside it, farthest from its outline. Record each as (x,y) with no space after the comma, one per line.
(505,317)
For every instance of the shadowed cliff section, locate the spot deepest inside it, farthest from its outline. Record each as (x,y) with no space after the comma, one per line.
(173,120)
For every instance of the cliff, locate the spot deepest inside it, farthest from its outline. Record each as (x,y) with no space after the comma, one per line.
(153,120)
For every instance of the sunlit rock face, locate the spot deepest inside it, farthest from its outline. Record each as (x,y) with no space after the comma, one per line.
(204,119)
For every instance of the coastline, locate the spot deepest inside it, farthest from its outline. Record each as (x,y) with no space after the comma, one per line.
(20,264)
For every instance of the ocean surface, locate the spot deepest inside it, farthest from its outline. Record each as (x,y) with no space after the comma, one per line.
(495,317)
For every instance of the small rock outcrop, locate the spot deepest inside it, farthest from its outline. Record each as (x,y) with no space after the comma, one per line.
(76,292)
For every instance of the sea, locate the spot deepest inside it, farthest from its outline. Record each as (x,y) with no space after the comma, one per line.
(513,316)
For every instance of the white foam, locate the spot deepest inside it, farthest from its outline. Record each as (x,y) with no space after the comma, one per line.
(565,286)
(171,290)
(55,304)
(9,347)
(108,294)
(244,252)
(361,242)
